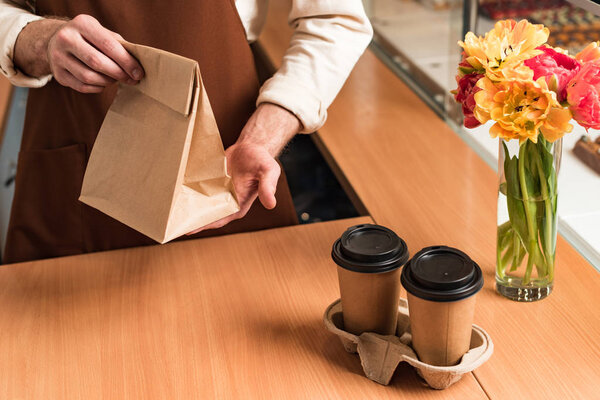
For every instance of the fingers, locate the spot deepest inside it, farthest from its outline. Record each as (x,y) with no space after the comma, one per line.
(85,74)
(65,78)
(92,55)
(98,61)
(107,43)
(268,185)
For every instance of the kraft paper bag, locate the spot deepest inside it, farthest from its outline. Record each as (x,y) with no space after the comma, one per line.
(158,163)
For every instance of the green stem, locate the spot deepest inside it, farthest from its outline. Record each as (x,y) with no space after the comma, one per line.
(529,218)
(547,245)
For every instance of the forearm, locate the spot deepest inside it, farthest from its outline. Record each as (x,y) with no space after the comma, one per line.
(31,47)
(328,39)
(12,21)
(270,126)
(79,53)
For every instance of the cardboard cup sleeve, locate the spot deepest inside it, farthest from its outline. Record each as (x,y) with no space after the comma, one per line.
(381,354)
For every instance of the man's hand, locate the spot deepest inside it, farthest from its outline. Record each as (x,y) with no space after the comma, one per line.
(251,160)
(80,53)
(255,174)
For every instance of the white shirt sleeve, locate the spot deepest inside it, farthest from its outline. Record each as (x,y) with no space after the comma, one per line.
(328,39)
(12,20)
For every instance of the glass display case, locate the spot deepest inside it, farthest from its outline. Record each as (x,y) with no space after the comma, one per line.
(418,40)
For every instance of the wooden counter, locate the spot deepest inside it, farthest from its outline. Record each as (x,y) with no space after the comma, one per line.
(233,317)
(413,174)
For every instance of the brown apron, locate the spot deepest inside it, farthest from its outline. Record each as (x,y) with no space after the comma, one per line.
(61,125)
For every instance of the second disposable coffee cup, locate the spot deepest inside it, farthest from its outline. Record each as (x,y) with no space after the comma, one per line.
(441,283)
(369,258)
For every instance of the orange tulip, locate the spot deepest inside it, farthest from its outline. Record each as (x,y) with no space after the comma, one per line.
(502,50)
(522,109)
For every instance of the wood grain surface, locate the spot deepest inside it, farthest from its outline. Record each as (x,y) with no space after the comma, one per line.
(233,317)
(416,176)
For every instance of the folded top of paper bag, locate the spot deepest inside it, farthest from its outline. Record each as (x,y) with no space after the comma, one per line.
(168,77)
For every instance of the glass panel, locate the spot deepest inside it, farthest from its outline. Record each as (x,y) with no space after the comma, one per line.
(416,38)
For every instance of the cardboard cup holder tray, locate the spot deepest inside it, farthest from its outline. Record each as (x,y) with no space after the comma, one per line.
(380,355)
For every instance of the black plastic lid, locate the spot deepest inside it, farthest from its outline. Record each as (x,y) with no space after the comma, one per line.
(370,249)
(441,273)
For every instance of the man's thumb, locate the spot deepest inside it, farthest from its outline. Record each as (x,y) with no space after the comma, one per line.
(267,186)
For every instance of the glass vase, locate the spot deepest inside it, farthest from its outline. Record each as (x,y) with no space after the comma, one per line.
(527,198)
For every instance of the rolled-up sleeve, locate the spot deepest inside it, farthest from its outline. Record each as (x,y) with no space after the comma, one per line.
(329,37)
(12,21)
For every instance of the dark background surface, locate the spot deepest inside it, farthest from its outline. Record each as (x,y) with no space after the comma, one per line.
(317,194)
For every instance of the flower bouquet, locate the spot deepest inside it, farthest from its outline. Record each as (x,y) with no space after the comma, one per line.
(531,91)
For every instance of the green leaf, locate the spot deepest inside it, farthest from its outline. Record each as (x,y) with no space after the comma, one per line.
(532,177)
(505,240)
(465,70)
(514,202)
(504,229)
(507,257)
(519,255)
(547,163)
(548,243)
(547,166)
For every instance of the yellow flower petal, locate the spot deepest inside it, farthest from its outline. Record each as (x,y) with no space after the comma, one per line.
(557,124)
(520,109)
(502,50)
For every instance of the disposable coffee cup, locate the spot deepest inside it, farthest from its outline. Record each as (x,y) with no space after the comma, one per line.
(441,283)
(369,258)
